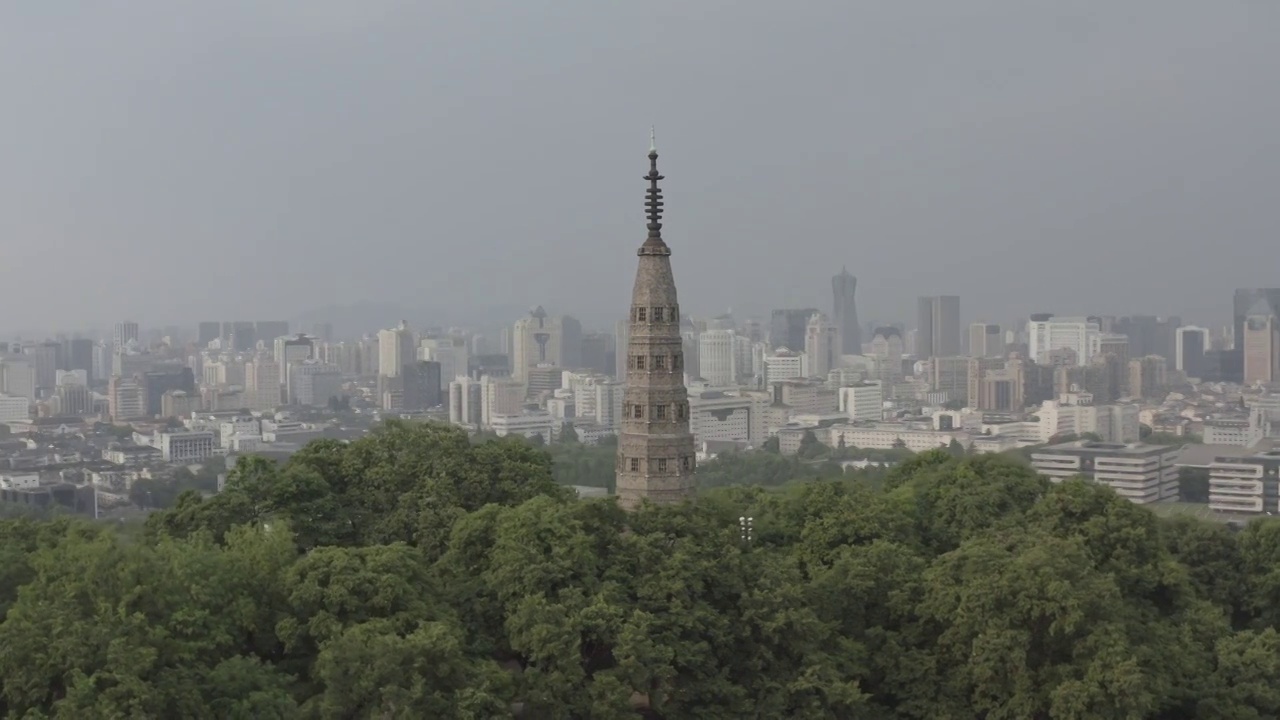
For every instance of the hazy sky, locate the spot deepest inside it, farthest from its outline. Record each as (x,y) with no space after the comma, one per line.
(169,161)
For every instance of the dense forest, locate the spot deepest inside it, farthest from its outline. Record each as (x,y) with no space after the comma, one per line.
(417,574)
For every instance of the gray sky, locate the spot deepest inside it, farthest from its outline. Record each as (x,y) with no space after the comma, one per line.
(169,161)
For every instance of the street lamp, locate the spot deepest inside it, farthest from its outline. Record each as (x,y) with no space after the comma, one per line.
(746,528)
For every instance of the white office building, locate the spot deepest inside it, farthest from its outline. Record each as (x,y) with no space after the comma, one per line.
(14,409)
(716,415)
(820,345)
(500,396)
(528,424)
(862,401)
(1138,472)
(18,377)
(718,357)
(395,350)
(608,404)
(1079,335)
(784,364)
(466,401)
(186,447)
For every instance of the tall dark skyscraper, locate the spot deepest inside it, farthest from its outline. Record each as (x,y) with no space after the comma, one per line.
(598,352)
(422,385)
(77,354)
(938,327)
(241,334)
(268,330)
(208,331)
(1150,335)
(156,383)
(1243,303)
(845,313)
(655,447)
(570,343)
(787,328)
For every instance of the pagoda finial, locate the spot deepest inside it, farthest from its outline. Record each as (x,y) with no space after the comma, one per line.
(653,197)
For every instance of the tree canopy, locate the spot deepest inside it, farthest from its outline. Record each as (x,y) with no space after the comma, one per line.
(416,574)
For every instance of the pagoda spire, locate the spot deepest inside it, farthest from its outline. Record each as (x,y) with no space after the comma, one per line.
(653,203)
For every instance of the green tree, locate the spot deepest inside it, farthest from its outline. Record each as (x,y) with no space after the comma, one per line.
(568,435)
(419,572)
(811,448)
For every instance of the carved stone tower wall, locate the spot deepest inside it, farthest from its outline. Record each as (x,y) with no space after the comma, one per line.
(655,448)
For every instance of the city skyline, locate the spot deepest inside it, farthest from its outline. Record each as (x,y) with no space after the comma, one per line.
(361,174)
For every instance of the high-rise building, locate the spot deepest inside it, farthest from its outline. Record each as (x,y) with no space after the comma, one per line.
(288,351)
(495,365)
(500,396)
(1148,377)
(127,398)
(985,340)
(609,404)
(77,354)
(996,384)
(845,313)
(1190,345)
(262,384)
(570,343)
(1149,335)
(950,375)
(1245,303)
(655,448)
(820,343)
(208,331)
(1113,348)
(44,361)
(18,377)
(718,360)
(269,330)
(103,359)
(938,326)
(788,327)
(1048,335)
(598,352)
(155,383)
(1261,345)
(887,348)
(423,386)
(621,338)
(313,383)
(537,339)
(124,333)
(783,364)
(450,351)
(74,400)
(395,350)
(465,401)
(241,335)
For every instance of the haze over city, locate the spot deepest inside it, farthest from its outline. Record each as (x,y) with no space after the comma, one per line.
(267,159)
(642,361)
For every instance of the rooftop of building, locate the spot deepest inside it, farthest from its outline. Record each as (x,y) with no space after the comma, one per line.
(1093,447)
(1205,455)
